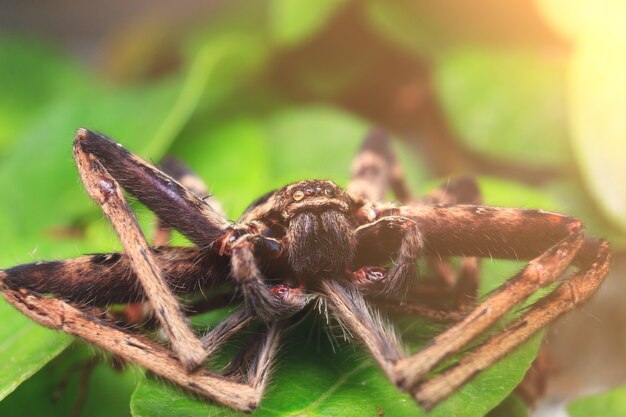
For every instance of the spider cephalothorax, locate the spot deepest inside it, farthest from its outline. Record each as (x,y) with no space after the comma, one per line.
(307,240)
(316,220)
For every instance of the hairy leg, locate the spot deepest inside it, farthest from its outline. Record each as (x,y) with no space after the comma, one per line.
(390,239)
(351,311)
(105,191)
(99,280)
(375,170)
(59,315)
(169,200)
(541,271)
(571,293)
(461,285)
(188,179)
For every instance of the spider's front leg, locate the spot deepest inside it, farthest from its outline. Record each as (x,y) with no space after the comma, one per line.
(104,189)
(265,302)
(391,238)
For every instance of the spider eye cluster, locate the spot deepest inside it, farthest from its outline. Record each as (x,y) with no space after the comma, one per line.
(310,191)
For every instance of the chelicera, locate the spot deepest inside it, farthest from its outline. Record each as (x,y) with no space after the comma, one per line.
(310,241)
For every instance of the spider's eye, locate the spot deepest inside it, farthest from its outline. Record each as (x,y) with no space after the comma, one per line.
(309,191)
(298,195)
(328,192)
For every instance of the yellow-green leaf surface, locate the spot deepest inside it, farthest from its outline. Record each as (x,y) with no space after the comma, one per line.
(505,103)
(292,21)
(606,404)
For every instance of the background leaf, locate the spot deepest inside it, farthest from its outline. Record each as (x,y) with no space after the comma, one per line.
(490,95)
(607,404)
(25,348)
(292,21)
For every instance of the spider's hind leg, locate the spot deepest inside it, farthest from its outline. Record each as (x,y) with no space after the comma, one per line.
(375,170)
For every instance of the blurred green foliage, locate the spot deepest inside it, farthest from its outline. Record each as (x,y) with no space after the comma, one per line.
(218,113)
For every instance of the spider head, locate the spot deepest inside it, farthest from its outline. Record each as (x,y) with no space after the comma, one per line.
(313,196)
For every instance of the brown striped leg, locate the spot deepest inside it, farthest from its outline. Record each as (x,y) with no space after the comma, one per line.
(108,278)
(461,285)
(352,311)
(571,293)
(188,179)
(375,170)
(59,315)
(169,200)
(105,191)
(540,272)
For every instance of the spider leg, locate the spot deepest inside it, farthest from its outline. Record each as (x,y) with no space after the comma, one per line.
(259,371)
(170,201)
(139,312)
(541,271)
(103,279)
(188,179)
(571,293)
(461,285)
(440,315)
(351,310)
(104,190)
(58,314)
(375,170)
(390,237)
(259,298)
(220,334)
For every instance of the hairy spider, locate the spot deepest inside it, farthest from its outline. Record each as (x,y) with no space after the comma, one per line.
(308,240)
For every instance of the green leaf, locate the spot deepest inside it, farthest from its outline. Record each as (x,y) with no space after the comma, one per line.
(57,386)
(293,21)
(27,89)
(25,347)
(607,404)
(505,103)
(408,26)
(512,406)
(313,380)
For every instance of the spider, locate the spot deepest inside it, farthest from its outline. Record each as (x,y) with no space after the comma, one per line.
(310,240)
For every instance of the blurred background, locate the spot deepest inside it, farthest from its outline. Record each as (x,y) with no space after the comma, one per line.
(527,96)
